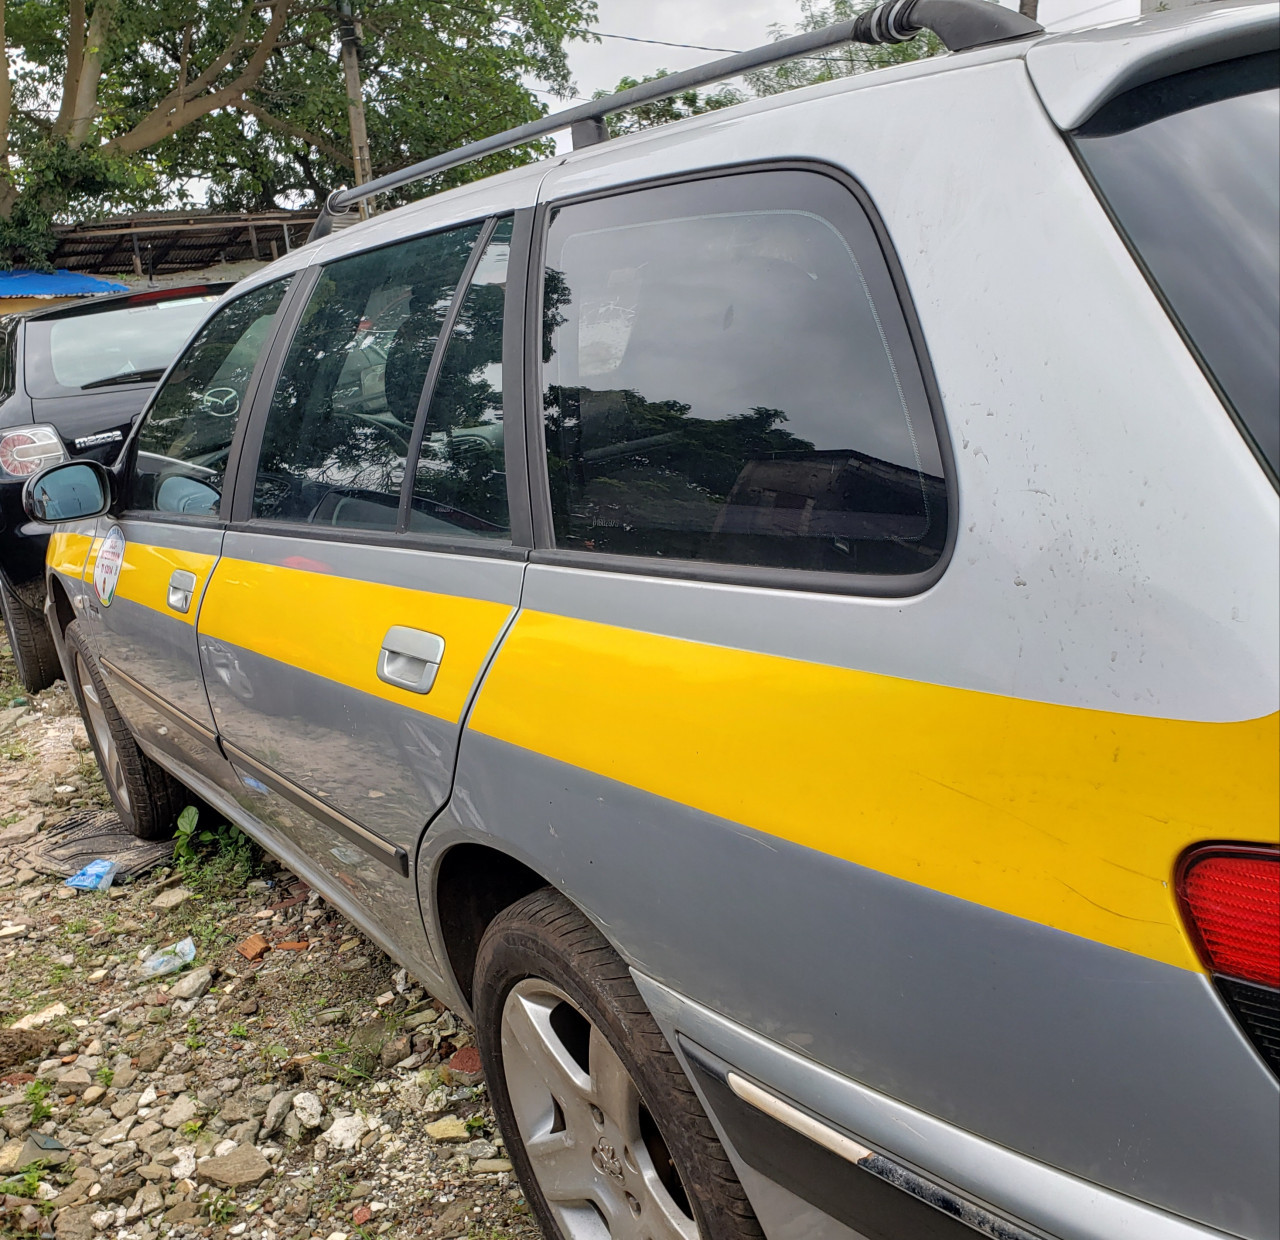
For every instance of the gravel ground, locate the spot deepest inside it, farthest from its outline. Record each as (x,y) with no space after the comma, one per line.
(313,1092)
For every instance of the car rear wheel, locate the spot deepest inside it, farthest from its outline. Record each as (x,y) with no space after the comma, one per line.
(602,1125)
(146,797)
(33,650)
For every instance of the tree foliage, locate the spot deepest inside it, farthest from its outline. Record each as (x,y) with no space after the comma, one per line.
(837,62)
(115,104)
(807,71)
(664,111)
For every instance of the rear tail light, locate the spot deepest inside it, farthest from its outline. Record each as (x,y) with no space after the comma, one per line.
(1230,898)
(26,450)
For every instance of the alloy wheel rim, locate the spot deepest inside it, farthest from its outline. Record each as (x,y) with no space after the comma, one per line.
(112,770)
(603,1167)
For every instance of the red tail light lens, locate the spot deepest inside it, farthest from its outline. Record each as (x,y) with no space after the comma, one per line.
(27,450)
(1230,899)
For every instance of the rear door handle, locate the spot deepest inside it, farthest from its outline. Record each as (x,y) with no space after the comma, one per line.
(182,585)
(410,659)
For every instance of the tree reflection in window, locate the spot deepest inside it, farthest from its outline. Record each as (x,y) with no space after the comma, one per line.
(722,384)
(341,417)
(460,483)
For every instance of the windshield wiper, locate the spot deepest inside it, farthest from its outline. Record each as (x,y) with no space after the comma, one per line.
(132,376)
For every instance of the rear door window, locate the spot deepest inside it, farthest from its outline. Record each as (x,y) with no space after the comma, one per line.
(1190,167)
(728,378)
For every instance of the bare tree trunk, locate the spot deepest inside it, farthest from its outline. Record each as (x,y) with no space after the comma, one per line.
(8,194)
(1029,8)
(6,97)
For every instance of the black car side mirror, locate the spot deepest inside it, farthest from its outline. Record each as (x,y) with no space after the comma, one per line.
(72,491)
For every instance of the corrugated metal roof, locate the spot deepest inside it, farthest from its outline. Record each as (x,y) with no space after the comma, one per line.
(160,243)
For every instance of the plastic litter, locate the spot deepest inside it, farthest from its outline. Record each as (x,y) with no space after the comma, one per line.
(169,959)
(96,876)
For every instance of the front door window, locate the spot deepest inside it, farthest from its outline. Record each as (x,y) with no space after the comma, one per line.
(184,444)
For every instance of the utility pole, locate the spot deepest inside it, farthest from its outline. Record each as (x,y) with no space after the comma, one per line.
(1029,8)
(349,31)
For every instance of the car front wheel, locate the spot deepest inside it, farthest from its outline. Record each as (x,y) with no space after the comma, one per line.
(146,797)
(602,1125)
(34,653)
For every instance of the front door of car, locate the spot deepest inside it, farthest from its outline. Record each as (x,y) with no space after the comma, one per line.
(149,566)
(371,569)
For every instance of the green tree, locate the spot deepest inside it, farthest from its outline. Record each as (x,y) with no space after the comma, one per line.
(836,62)
(114,104)
(663,111)
(806,71)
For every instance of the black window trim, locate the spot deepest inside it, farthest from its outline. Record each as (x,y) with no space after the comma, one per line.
(808,580)
(253,426)
(129,453)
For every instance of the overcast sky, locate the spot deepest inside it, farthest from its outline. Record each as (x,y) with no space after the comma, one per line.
(736,25)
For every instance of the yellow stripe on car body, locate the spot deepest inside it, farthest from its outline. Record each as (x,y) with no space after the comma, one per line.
(68,552)
(334,627)
(1066,816)
(145,572)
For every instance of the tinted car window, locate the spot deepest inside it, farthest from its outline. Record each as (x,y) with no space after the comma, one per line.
(1190,165)
(728,377)
(116,344)
(342,416)
(460,484)
(184,443)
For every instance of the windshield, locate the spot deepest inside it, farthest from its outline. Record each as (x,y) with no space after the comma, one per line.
(123,344)
(1190,167)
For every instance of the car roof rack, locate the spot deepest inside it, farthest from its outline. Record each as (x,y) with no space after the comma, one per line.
(960,24)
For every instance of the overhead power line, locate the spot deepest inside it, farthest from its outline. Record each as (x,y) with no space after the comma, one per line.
(631,38)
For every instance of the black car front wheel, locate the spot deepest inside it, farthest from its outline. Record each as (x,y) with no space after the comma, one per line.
(31,642)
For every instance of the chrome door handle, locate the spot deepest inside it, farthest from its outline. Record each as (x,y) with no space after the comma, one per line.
(182,585)
(410,659)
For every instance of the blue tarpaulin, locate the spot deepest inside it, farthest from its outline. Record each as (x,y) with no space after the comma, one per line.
(54,284)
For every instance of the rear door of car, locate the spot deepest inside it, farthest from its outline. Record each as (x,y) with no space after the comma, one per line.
(359,597)
(148,568)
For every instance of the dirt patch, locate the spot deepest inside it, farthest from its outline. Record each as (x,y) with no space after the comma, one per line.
(268,1091)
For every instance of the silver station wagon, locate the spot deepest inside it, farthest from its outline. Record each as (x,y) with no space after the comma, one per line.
(776,620)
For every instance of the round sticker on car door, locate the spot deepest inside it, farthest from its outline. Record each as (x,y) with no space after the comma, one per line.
(106,572)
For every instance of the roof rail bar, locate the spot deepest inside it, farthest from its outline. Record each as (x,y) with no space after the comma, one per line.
(960,24)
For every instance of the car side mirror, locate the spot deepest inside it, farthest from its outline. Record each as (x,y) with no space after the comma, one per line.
(72,491)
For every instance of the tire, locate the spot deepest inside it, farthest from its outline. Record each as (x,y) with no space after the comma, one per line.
(601,1123)
(33,650)
(147,798)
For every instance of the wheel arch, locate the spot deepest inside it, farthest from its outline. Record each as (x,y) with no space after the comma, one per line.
(62,609)
(471,885)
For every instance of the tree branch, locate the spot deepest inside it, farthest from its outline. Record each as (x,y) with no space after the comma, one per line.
(85,108)
(185,59)
(295,131)
(75,66)
(177,109)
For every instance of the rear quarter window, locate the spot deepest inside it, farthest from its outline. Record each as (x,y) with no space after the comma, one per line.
(728,379)
(1190,168)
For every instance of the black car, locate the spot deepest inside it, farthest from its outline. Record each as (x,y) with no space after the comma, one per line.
(72,380)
